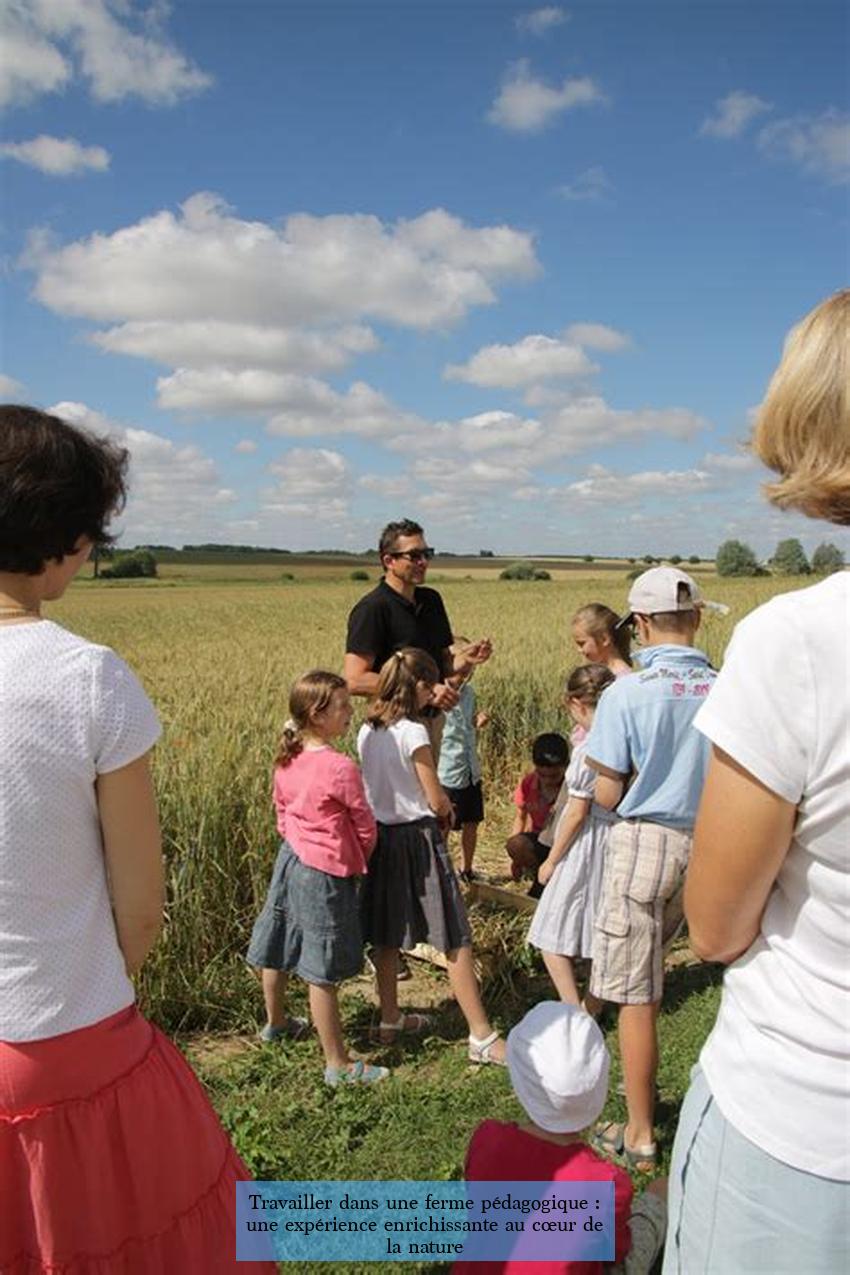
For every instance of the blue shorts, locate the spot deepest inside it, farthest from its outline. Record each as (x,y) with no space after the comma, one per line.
(735,1210)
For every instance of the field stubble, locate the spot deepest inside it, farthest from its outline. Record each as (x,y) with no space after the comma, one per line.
(218,662)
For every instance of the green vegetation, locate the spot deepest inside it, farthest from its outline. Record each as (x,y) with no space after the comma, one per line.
(524,571)
(790,559)
(139,564)
(826,559)
(734,558)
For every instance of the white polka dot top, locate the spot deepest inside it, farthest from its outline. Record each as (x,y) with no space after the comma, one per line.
(69,711)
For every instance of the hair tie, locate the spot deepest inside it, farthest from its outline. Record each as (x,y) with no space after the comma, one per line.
(399,657)
(289,727)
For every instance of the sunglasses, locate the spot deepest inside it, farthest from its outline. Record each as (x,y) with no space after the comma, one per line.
(414,555)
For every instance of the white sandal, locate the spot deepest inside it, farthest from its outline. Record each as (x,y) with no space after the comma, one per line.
(480,1051)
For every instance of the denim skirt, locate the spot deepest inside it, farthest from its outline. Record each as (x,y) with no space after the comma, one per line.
(310,923)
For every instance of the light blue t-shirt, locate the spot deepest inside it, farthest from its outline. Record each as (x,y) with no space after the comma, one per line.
(644,724)
(459,765)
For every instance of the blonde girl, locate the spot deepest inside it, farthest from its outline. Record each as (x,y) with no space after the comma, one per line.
(411,894)
(599,640)
(572,872)
(310,922)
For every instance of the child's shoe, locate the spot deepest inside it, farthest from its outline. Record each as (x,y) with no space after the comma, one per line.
(292,1029)
(359,1073)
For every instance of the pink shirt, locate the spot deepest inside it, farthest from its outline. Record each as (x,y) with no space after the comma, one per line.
(502,1152)
(323,813)
(530,799)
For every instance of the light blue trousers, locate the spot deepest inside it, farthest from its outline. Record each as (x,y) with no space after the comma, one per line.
(735,1210)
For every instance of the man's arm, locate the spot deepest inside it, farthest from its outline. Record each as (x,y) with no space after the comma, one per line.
(609,787)
(357,671)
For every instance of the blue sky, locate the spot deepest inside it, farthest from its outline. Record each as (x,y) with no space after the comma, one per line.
(519,272)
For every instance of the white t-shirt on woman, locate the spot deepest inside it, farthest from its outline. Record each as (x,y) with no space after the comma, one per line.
(70,711)
(778,1059)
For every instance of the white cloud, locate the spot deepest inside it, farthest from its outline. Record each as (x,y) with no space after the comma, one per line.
(175,490)
(530,360)
(590,186)
(490,431)
(597,336)
(527,105)
(47,43)
(729,462)
(389,486)
(313,482)
(539,21)
(603,486)
(818,145)
(732,114)
(208,265)
(57,156)
(10,389)
(245,446)
(205,343)
(591,422)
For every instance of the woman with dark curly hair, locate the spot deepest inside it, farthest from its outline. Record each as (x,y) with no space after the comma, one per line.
(112,1160)
(760,1179)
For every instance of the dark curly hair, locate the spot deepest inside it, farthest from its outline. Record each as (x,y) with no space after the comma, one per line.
(57,483)
(393,532)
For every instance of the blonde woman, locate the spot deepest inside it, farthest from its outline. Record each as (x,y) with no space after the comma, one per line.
(759,1179)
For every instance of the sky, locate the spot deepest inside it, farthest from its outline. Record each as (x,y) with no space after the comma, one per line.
(519,273)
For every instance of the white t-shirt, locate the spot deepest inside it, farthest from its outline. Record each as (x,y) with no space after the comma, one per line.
(778,1059)
(392,786)
(70,712)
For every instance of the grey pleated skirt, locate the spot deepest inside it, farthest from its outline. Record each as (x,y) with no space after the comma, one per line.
(411,895)
(310,923)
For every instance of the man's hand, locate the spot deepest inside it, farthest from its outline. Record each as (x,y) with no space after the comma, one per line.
(475,653)
(444,697)
(482,719)
(545,871)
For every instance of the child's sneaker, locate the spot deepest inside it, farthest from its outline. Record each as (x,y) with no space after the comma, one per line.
(292,1029)
(359,1073)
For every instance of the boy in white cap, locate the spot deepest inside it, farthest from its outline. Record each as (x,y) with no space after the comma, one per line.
(558,1064)
(651,765)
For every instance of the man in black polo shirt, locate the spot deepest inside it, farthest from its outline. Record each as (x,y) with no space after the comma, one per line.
(401,612)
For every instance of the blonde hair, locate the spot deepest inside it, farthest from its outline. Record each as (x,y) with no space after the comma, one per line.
(600,621)
(396,696)
(803,426)
(310,694)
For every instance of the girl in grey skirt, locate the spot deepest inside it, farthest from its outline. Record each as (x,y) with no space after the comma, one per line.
(411,895)
(310,923)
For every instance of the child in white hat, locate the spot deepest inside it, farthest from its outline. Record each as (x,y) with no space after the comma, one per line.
(558,1064)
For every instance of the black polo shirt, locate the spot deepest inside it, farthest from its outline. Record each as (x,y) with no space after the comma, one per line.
(383,621)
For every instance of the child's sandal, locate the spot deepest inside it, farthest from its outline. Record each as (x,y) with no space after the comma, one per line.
(292,1029)
(481,1051)
(358,1073)
(411,1024)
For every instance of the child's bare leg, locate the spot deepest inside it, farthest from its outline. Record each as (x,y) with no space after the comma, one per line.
(593,1004)
(464,984)
(560,969)
(639,1054)
(324,1008)
(468,843)
(275,983)
(385,960)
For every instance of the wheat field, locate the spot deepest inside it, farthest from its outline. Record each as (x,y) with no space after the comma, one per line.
(218,659)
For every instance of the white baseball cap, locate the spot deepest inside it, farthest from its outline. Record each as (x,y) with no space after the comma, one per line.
(662,589)
(558,1064)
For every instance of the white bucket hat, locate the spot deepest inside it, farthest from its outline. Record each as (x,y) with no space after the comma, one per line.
(558,1063)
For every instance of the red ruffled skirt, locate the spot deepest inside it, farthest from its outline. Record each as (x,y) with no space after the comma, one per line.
(112,1160)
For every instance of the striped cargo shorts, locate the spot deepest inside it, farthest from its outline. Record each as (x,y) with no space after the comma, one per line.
(640,910)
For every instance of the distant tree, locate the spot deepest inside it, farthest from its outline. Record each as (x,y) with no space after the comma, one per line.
(694,558)
(485,553)
(790,559)
(138,564)
(359,575)
(631,561)
(588,557)
(518,571)
(826,559)
(675,558)
(734,558)
(541,574)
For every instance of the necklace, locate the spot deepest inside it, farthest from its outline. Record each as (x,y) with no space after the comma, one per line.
(16,612)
